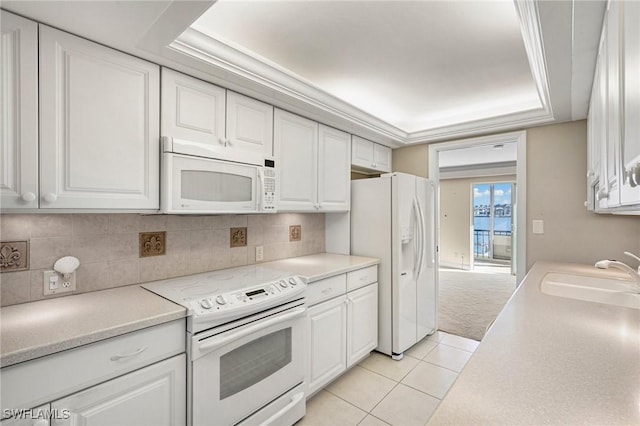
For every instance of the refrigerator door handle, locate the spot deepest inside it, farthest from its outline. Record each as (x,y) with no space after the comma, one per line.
(420,220)
(417,267)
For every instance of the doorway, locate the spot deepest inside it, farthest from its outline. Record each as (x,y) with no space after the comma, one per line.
(482,195)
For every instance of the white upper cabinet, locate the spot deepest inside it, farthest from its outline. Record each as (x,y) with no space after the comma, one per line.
(19,112)
(313,163)
(296,151)
(613,175)
(614,107)
(249,126)
(334,170)
(215,122)
(369,156)
(630,150)
(99,126)
(193,110)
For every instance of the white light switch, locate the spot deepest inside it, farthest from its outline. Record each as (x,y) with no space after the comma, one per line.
(538,226)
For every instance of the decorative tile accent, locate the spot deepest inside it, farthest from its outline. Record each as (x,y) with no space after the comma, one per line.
(14,256)
(295,233)
(238,237)
(153,243)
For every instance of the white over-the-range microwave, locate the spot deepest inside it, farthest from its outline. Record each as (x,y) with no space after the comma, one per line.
(194,182)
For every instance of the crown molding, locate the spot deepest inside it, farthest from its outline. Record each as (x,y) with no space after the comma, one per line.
(258,70)
(216,53)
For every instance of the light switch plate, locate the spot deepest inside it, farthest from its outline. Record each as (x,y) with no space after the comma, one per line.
(538,226)
(259,253)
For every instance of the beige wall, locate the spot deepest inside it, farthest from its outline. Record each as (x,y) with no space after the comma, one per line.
(456,228)
(107,246)
(412,159)
(556,191)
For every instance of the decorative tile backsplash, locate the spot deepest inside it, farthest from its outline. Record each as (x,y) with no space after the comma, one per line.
(108,246)
(295,233)
(238,237)
(14,256)
(153,243)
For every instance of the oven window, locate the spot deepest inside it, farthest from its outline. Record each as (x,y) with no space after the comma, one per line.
(253,362)
(215,186)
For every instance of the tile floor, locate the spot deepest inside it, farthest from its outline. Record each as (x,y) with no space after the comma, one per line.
(380,391)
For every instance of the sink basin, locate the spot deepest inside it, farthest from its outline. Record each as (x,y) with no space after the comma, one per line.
(611,291)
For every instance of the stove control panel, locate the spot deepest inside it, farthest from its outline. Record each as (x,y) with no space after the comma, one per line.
(242,299)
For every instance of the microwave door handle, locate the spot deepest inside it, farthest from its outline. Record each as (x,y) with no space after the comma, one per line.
(259,190)
(224,338)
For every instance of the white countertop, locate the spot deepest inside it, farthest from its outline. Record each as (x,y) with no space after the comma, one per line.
(551,360)
(319,266)
(32,330)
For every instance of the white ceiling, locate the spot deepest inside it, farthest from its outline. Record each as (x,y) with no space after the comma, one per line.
(378,69)
(417,65)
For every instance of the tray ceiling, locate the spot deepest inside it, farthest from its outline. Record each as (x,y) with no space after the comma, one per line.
(414,65)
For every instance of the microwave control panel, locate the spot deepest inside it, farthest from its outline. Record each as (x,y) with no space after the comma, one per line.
(269,189)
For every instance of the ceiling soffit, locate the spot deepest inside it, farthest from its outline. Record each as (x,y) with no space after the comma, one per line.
(256,70)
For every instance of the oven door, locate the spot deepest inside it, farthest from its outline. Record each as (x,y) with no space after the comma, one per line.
(202,185)
(237,372)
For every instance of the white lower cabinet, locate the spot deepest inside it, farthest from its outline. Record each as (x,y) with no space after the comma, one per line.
(362,323)
(137,378)
(328,342)
(154,395)
(342,330)
(38,416)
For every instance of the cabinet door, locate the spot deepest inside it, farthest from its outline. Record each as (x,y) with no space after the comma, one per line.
(19,112)
(334,170)
(99,126)
(630,150)
(381,158)
(327,342)
(601,89)
(361,152)
(249,128)
(152,396)
(38,416)
(194,111)
(614,107)
(296,152)
(362,323)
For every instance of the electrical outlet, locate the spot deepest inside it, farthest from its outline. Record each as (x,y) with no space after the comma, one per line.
(55,283)
(259,253)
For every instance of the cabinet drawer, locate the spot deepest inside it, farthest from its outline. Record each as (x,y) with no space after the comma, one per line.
(326,289)
(362,277)
(44,379)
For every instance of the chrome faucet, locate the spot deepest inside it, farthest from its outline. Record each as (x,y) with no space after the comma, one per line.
(634,274)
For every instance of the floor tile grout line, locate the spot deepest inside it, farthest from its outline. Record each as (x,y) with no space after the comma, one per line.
(450,369)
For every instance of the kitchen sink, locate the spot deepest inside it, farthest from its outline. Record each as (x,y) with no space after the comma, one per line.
(611,291)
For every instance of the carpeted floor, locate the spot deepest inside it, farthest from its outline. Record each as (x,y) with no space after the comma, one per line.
(470,301)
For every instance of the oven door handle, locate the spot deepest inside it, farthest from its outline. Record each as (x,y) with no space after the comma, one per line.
(259,325)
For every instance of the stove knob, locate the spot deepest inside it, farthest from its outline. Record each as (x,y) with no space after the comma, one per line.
(221,300)
(283,284)
(206,304)
(292,281)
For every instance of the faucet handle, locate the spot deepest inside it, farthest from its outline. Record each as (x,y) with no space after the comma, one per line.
(634,257)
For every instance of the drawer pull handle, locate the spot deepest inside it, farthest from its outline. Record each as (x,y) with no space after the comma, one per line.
(326,290)
(138,352)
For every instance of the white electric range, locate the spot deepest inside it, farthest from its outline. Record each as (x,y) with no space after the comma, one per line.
(245,330)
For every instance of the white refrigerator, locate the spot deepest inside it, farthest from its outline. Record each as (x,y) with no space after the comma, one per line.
(393,219)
